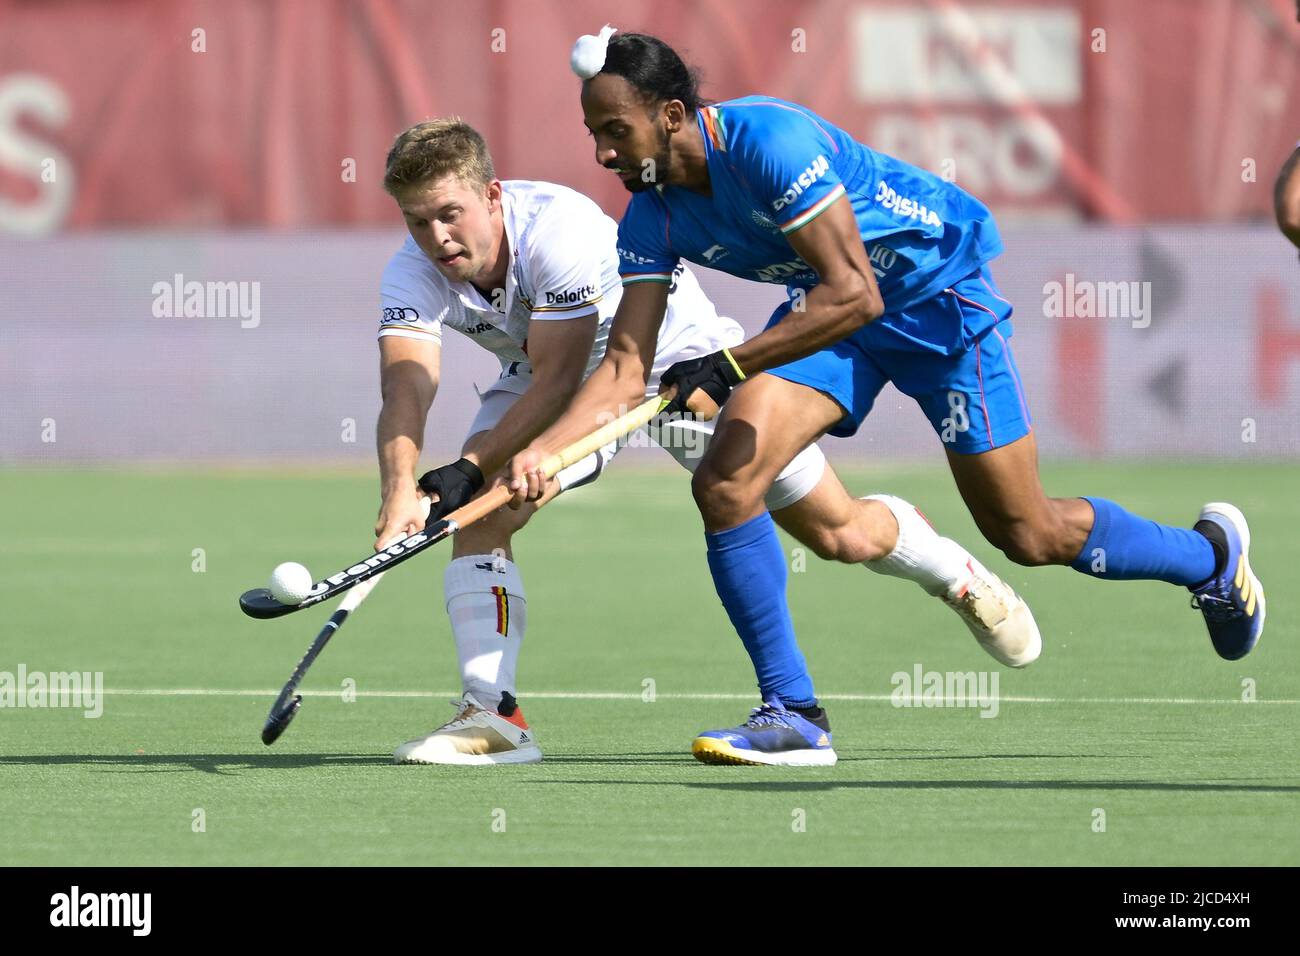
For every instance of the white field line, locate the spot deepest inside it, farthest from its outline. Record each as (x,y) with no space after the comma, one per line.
(580,695)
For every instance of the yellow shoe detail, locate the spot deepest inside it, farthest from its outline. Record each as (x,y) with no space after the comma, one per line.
(714,750)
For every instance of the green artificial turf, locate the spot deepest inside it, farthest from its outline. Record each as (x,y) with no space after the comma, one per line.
(1129,711)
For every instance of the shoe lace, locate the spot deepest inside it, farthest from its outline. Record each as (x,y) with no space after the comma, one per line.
(766,716)
(464,712)
(1215,608)
(968,604)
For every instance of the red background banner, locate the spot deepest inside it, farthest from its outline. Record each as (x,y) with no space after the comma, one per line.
(123,114)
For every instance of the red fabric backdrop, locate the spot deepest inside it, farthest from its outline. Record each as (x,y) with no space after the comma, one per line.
(111,102)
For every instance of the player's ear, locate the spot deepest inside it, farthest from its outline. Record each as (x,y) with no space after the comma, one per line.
(493,195)
(674,115)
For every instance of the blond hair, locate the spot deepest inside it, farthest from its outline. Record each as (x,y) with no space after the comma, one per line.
(436,148)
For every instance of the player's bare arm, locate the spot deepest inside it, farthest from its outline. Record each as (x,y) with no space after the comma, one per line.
(1286,198)
(618,381)
(558,351)
(408,380)
(845,299)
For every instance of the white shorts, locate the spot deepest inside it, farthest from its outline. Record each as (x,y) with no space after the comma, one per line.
(686,441)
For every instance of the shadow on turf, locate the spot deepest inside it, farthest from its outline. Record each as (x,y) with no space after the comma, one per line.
(644,759)
(755,786)
(205,763)
(222,764)
(229,763)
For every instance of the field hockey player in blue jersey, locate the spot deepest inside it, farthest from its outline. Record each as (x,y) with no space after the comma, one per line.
(886,268)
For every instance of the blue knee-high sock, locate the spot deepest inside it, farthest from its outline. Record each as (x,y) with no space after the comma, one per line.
(749,572)
(1124,547)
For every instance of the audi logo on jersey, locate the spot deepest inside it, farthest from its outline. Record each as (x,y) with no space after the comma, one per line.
(400,315)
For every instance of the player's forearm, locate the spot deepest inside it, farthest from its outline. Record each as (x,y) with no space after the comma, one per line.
(399,438)
(829,315)
(608,392)
(537,409)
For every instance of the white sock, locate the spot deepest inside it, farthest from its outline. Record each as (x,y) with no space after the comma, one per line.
(488,611)
(937,564)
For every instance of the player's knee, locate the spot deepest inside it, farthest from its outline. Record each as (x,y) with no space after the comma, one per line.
(722,496)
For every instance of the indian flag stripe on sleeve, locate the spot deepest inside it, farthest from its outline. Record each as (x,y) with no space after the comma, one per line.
(813,212)
(665,277)
(717,131)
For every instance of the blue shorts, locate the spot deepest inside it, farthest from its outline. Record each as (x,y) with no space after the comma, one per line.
(971,391)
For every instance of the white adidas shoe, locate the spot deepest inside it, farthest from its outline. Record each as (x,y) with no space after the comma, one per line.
(475,736)
(998,617)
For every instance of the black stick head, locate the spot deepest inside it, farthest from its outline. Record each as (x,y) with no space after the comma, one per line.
(259,603)
(279,719)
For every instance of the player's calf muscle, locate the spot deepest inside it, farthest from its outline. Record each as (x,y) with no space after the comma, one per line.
(850,531)
(1054,534)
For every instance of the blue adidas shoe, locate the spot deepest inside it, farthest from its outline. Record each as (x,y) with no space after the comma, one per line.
(772,736)
(1232,601)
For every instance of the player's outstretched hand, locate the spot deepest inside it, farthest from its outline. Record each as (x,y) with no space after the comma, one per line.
(525,476)
(401,513)
(715,375)
(451,486)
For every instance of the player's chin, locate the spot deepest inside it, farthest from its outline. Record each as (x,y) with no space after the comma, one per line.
(458,267)
(635,184)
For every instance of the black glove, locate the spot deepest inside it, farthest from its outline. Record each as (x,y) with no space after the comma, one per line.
(717,374)
(454,484)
